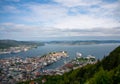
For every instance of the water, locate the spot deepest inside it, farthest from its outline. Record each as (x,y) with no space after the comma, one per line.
(97,50)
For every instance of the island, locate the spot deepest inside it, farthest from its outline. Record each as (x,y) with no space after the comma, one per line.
(82,42)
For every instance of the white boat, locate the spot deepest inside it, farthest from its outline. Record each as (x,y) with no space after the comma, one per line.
(90,57)
(65,62)
(78,55)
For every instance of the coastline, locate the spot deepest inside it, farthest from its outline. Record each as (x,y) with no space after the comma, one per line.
(17,49)
(19,68)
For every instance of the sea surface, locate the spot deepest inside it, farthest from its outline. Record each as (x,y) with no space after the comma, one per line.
(97,50)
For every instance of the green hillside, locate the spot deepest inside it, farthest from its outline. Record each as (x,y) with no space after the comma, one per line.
(13,43)
(106,71)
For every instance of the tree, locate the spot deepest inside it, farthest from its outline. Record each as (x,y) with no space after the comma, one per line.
(101,77)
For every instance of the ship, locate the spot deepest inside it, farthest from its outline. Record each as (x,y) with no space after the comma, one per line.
(78,55)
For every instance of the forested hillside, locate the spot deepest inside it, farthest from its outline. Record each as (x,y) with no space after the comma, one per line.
(13,43)
(106,71)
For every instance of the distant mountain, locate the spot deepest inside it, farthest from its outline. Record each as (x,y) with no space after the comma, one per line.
(13,43)
(83,42)
(106,71)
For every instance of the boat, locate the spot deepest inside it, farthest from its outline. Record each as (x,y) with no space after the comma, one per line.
(90,57)
(78,55)
(17,51)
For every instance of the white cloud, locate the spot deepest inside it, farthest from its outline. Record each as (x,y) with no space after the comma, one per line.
(73,3)
(55,20)
(85,22)
(57,16)
(9,9)
(44,13)
(21,30)
(13,0)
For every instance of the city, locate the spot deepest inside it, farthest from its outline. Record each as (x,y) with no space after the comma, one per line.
(59,41)
(16,69)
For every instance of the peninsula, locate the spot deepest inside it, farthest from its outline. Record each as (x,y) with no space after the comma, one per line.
(13,46)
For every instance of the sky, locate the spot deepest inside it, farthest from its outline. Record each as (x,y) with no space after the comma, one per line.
(60,19)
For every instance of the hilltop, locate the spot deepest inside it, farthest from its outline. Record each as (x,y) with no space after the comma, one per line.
(13,46)
(13,43)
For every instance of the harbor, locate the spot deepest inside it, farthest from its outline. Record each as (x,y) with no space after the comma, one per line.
(17,69)
(48,60)
(78,62)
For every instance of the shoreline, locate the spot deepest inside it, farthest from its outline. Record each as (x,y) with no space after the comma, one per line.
(19,68)
(17,49)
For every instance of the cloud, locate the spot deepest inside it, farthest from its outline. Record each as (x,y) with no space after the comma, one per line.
(86,22)
(13,0)
(9,9)
(21,30)
(73,3)
(44,13)
(63,18)
(95,32)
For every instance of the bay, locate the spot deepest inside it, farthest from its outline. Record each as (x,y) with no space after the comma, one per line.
(97,50)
